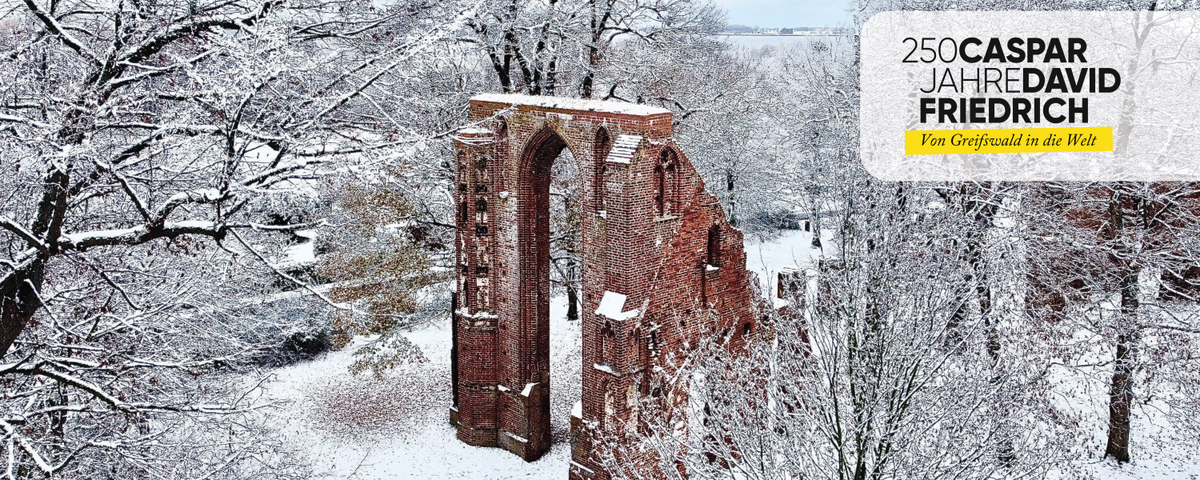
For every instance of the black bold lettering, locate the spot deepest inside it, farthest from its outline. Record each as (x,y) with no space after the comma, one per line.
(1051,117)
(1017,52)
(946,108)
(994,117)
(1106,72)
(962,49)
(1075,49)
(1036,47)
(1082,110)
(1033,72)
(1020,110)
(1055,51)
(1055,81)
(995,52)
(927,108)
(978,110)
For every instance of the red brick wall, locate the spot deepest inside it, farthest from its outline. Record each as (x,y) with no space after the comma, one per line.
(1064,273)
(657,260)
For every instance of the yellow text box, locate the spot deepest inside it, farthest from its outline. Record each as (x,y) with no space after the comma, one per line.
(1008,140)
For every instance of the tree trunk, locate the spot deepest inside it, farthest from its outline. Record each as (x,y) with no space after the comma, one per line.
(572,302)
(598,23)
(19,300)
(730,180)
(816,228)
(587,87)
(20,296)
(1120,396)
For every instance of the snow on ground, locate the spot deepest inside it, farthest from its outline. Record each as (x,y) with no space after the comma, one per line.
(766,257)
(1157,449)
(398,427)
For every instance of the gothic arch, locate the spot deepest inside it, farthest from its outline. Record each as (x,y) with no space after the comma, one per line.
(639,262)
(602,144)
(666,176)
(548,139)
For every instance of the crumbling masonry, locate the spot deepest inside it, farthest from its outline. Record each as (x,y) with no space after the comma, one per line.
(662,269)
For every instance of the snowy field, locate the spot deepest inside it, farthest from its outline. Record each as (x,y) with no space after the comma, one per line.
(360,427)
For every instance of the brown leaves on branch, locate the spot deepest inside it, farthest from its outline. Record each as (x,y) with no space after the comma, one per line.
(373,253)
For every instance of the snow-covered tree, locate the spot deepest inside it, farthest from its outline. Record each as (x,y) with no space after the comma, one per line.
(559,47)
(157,158)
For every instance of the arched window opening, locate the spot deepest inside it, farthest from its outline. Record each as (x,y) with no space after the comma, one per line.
(714,246)
(671,196)
(602,145)
(660,183)
(667,179)
(462,212)
(606,344)
(747,328)
(610,407)
(467,300)
(601,173)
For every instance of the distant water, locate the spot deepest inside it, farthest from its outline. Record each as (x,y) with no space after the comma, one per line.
(758,41)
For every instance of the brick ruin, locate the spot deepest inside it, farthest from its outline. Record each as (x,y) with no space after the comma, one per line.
(1063,274)
(662,270)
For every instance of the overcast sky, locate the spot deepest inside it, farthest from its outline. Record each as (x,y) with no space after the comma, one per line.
(787,13)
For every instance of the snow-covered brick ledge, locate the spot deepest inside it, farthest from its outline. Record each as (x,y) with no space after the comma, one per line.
(603,367)
(462,312)
(474,131)
(624,148)
(581,467)
(611,305)
(474,135)
(528,389)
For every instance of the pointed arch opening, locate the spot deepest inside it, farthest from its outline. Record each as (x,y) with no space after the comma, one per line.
(549,199)
(714,246)
(601,146)
(666,176)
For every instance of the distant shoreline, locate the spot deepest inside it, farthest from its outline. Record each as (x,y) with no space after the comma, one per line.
(798,34)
